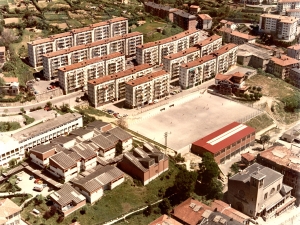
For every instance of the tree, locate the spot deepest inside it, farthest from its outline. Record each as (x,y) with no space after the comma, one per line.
(7,37)
(234,168)
(12,162)
(264,139)
(65,108)
(165,206)
(22,110)
(148,211)
(208,168)
(49,104)
(215,189)
(292,102)
(185,183)
(39,199)
(7,67)
(2,82)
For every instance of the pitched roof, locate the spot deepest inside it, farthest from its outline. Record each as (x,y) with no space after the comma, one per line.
(204,16)
(283,19)
(81,131)
(224,137)
(224,49)
(10,79)
(184,14)
(259,171)
(295,47)
(199,61)
(121,134)
(63,160)
(67,195)
(99,178)
(103,142)
(7,208)
(182,53)
(44,148)
(84,150)
(248,156)
(209,40)
(284,60)
(146,78)
(165,220)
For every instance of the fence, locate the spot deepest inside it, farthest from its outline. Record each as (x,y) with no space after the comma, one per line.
(249,117)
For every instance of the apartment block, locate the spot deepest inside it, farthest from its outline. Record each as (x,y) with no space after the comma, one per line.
(284,27)
(172,62)
(204,22)
(210,45)
(283,6)
(294,51)
(184,20)
(99,94)
(160,10)
(226,57)
(2,54)
(146,89)
(295,77)
(153,52)
(294,13)
(197,71)
(280,66)
(98,31)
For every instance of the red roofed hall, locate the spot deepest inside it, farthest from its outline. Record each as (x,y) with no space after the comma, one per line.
(225,142)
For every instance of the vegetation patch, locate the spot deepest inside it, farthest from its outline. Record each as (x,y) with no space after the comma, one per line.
(9,126)
(28,119)
(260,122)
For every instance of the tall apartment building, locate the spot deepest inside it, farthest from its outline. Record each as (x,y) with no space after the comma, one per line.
(184,20)
(284,5)
(226,57)
(197,71)
(204,21)
(108,88)
(295,77)
(154,52)
(210,45)
(172,62)
(146,89)
(294,51)
(294,13)
(280,66)
(74,77)
(52,61)
(98,31)
(2,54)
(236,37)
(164,12)
(284,27)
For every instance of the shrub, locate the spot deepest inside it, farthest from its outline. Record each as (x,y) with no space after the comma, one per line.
(28,120)
(8,67)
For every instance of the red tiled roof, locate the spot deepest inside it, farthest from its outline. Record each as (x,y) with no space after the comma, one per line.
(10,79)
(182,53)
(164,220)
(209,40)
(296,47)
(198,61)
(204,16)
(146,78)
(185,213)
(223,142)
(224,49)
(65,34)
(249,157)
(284,60)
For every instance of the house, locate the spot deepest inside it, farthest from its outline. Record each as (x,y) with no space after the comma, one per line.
(195,9)
(247,159)
(281,65)
(225,142)
(93,185)
(99,125)
(83,133)
(142,165)
(285,161)
(10,213)
(228,24)
(106,146)
(236,37)
(292,135)
(204,22)
(40,154)
(294,51)
(63,166)
(193,212)
(67,200)
(165,220)
(65,141)
(259,191)
(123,137)
(231,83)
(10,87)
(88,157)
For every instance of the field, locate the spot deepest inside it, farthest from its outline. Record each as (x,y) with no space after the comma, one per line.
(189,119)
(260,122)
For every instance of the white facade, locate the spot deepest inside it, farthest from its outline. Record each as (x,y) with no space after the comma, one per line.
(89,164)
(109,154)
(66,175)
(294,51)
(284,27)
(284,5)
(294,13)
(127,145)
(39,162)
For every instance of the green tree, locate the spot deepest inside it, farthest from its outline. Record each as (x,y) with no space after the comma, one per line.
(49,104)
(39,199)
(264,139)
(292,102)
(22,110)
(2,82)
(208,168)
(234,168)
(215,189)
(148,211)
(185,183)
(12,162)
(165,206)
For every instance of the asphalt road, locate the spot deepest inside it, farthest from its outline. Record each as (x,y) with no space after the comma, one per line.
(67,99)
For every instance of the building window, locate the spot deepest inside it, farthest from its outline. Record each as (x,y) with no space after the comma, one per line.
(272,191)
(278,187)
(266,196)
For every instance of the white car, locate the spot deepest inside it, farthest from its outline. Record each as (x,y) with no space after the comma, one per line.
(19,178)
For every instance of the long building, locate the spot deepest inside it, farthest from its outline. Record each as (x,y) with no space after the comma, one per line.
(294,13)
(153,52)
(225,142)
(146,89)
(95,32)
(74,77)
(284,27)
(121,44)
(284,6)
(196,72)
(281,66)
(107,88)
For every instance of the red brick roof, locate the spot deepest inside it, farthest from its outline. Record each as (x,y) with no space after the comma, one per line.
(221,143)
(198,61)
(182,53)
(284,60)
(249,157)
(224,49)
(164,220)
(209,40)
(10,79)
(146,78)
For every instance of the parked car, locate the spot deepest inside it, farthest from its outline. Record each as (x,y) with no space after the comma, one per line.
(38,181)
(48,88)
(31,177)
(110,111)
(38,188)
(155,101)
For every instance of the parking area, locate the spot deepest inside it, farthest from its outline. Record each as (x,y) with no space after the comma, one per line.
(27,185)
(189,119)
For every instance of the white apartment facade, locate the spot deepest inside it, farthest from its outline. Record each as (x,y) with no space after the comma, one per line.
(210,45)
(108,88)
(226,57)
(154,52)
(294,13)
(52,61)
(171,63)
(294,51)
(284,27)
(145,90)
(197,71)
(284,5)
(98,31)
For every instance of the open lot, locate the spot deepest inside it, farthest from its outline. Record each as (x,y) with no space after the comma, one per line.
(191,118)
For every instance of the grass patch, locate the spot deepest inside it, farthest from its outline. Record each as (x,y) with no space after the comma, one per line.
(92,111)
(9,126)
(19,200)
(260,122)
(73,23)
(28,119)
(56,16)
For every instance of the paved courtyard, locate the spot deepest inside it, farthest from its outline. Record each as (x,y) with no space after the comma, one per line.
(191,118)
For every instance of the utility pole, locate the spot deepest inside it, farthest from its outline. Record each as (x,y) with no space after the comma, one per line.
(166,142)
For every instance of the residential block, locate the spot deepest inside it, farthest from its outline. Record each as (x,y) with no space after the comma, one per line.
(281,65)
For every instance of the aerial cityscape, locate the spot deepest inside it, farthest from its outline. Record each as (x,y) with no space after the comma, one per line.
(150,112)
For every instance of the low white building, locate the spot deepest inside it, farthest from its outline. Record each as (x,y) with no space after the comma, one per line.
(10,213)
